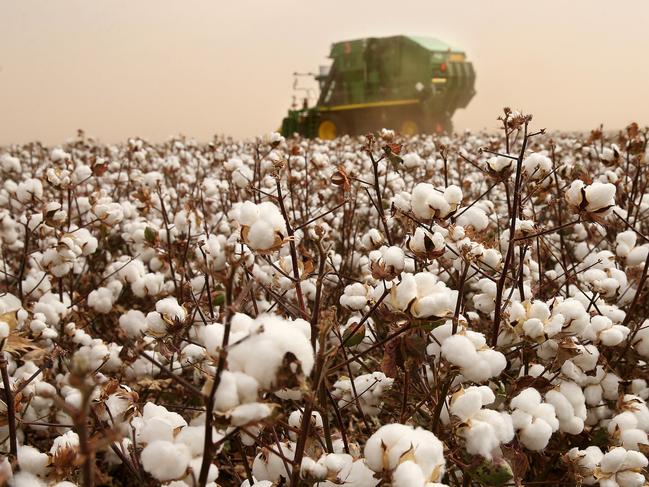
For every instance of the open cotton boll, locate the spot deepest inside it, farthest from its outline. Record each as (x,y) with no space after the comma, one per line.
(250,413)
(641,340)
(267,465)
(574,194)
(132,322)
(585,462)
(261,235)
(500,164)
(355,296)
(270,338)
(165,460)
(570,407)
(343,470)
(369,387)
(476,365)
(32,460)
(536,166)
(473,217)
(623,468)
(26,479)
(101,300)
(395,259)
(385,449)
(234,389)
(408,474)
(534,420)
(68,439)
(600,196)
(482,429)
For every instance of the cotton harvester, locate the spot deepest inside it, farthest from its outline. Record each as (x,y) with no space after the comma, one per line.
(406,83)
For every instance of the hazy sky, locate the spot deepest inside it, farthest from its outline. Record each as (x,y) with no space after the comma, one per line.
(155,68)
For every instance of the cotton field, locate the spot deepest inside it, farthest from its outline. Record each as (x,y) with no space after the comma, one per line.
(466,310)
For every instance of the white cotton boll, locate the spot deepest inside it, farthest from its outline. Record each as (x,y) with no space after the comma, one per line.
(249,413)
(408,474)
(469,403)
(261,235)
(67,440)
(383,439)
(10,163)
(613,460)
(599,196)
(32,460)
(270,466)
(637,256)
(500,163)
(569,405)
(394,258)
(614,336)
(632,438)
(474,217)
(641,341)
(312,470)
(242,176)
(262,353)
(195,465)
(537,166)
(453,194)
(574,194)
(101,300)
(536,436)
(133,323)
(165,460)
(481,438)
(460,351)
(26,479)
(170,308)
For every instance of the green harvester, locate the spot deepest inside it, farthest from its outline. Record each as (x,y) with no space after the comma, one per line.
(407,83)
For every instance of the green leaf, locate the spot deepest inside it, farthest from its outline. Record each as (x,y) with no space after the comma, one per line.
(352,339)
(150,235)
(219,299)
(428,325)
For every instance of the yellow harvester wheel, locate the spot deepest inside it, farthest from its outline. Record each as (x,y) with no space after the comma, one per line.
(327,130)
(409,127)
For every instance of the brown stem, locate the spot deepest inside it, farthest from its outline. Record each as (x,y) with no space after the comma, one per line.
(11,410)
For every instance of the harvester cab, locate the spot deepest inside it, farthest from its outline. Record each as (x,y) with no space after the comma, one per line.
(410,84)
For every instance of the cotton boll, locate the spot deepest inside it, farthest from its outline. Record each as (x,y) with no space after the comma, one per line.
(536,166)
(165,460)
(394,258)
(26,479)
(270,339)
(270,466)
(32,460)
(453,194)
(536,435)
(600,196)
(459,350)
(535,420)
(133,323)
(381,441)
(408,474)
(246,414)
(261,235)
